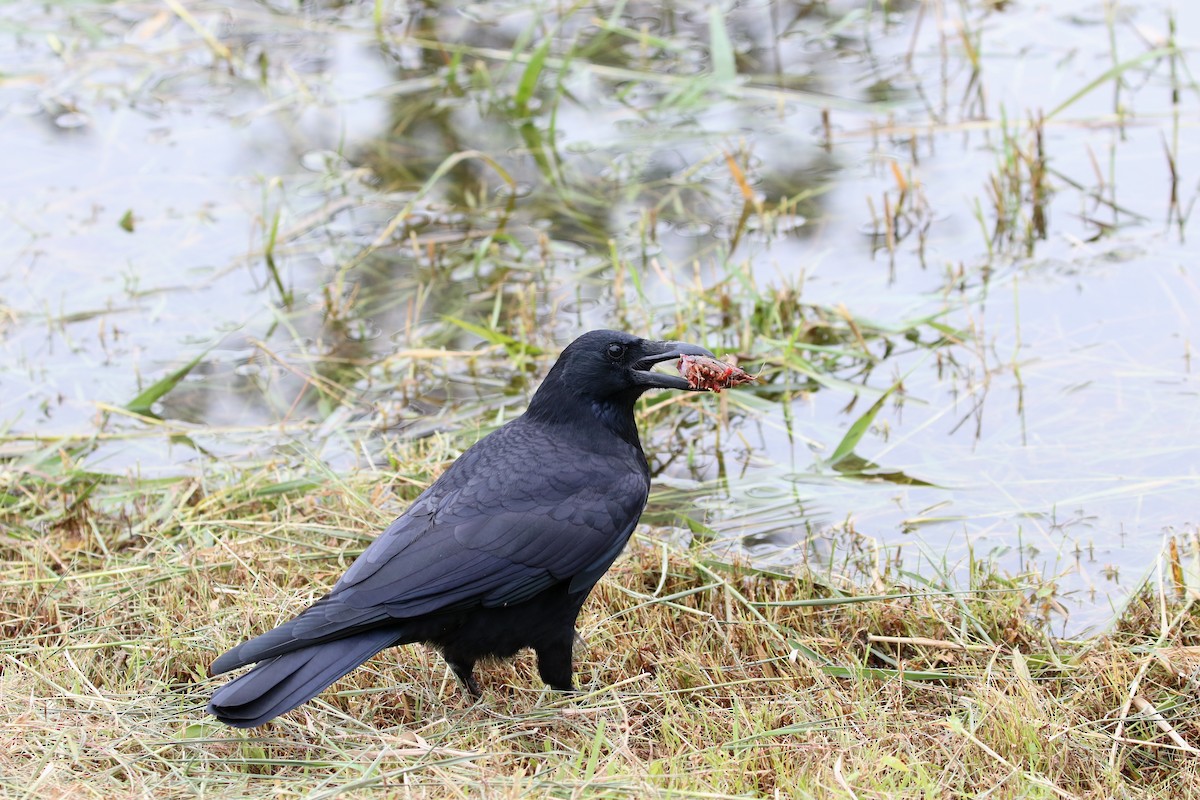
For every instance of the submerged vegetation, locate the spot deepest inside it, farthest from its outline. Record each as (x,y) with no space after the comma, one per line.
(271,268)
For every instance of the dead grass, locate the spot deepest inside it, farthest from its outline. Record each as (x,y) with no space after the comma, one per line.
(699,679)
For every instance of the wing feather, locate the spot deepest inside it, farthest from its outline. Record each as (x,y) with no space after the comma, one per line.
(490,534)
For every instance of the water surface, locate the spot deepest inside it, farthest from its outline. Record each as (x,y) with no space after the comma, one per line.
(306,197)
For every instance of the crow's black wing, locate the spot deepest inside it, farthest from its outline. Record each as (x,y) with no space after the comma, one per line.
(510,519)
(519,512)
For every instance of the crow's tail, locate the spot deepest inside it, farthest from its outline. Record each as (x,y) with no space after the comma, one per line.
(277,686)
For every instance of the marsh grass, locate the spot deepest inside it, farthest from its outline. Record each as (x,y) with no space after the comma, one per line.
(699,679)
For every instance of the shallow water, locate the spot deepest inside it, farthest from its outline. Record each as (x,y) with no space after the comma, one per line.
(153,160)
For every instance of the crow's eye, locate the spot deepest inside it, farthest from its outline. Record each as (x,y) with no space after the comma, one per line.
(615,351)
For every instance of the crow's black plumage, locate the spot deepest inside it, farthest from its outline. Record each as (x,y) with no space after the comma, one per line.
(497,555)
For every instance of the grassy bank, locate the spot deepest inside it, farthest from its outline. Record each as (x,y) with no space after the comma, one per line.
(273,268)
(700,679)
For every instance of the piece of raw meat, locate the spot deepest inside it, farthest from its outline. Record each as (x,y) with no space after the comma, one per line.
(709,373)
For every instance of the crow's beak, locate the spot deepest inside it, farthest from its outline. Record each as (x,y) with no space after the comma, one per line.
(643,370)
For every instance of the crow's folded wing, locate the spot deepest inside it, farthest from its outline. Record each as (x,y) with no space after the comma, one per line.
(466,549)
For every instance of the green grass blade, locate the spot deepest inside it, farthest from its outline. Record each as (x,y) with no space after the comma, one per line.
(495,337)
(877,673)
(529,78)
(720,49)
(157,390)
(859,428)
(1113,72)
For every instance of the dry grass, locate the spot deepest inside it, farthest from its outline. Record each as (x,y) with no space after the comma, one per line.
(699,679)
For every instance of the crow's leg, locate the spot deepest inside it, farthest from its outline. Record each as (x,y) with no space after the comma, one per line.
(463,670)
(554,661)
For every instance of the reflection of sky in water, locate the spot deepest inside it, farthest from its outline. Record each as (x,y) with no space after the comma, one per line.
(1102,459)
(1096,452)
(194,171)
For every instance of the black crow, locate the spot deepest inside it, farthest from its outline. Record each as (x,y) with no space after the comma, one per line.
(497,555)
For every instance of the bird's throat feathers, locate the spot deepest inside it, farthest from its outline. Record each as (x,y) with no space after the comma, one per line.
(614,413)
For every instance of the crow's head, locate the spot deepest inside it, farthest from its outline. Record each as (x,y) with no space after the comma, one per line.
(612,368)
